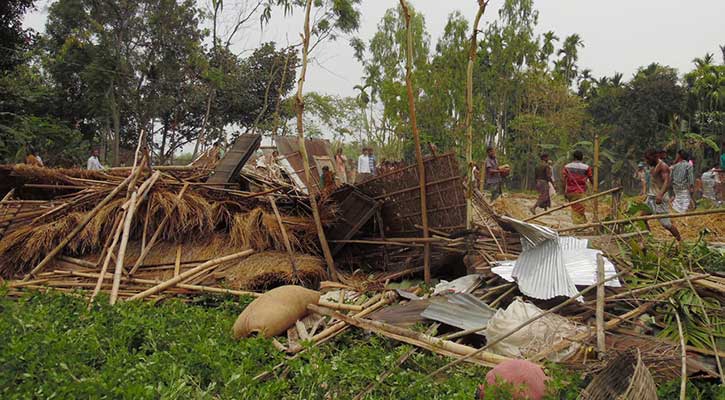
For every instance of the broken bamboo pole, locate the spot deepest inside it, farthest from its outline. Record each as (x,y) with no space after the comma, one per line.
(186,274)
(595,178)
(472,51)
(81,224)
(416,139)
(285,237)
(643,218)
(601,346)
(300,105)
(130,211)
(563,206)
(107,259)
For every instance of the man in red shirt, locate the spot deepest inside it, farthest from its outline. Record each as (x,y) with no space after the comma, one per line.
(575,176)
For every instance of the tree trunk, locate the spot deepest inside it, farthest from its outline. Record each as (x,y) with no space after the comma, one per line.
(416,139)
(116,141)
(300,105)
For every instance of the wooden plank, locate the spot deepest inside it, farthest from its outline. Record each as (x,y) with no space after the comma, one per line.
(229,167)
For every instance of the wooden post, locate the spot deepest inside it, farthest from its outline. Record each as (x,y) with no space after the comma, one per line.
(82,224)
(300,105)
(416,139)
(595,186)
(471,181)
(601,346)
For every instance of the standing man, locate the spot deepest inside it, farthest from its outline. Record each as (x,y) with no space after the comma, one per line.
(657,197)
(372,161)
(575,176)
(641,176)
(93,163)
(494,176)
(683,182)
(543,175)
(340,162)
(363,167)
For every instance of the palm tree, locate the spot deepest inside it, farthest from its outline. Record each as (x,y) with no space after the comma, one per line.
(569,56)
(547,48)
(585,82)
(704,61)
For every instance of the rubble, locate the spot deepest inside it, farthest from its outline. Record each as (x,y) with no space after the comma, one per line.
(153,233)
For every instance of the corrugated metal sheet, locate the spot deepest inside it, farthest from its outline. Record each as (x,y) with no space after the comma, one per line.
(540,272)
(582,267)
(461,310)
(580,264)
(532,233)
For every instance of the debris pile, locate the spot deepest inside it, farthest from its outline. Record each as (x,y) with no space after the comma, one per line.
(507,289)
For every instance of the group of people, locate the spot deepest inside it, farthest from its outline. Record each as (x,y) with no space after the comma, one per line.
(93,163)
(663,186)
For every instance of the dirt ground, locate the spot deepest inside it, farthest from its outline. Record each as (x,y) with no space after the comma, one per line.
(517,205)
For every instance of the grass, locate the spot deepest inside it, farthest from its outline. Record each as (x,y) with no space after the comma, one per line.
(54,348)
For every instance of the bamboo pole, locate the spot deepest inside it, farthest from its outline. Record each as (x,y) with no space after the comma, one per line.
(683,355)
(107,260)
(158,231)
(122,247)
(287,244)
(300,105)
(643,218)
(416,139)
(197,288)
(571,203)
(418,339)
(177,262)
(628,293)
(137,197)
(595,185)
(470,182)
(186,274)
(601,345)
(82,224)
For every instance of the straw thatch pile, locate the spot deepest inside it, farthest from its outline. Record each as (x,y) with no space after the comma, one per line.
(202,223)
(274,268)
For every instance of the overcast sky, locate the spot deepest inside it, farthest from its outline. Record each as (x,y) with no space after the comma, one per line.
(618,35)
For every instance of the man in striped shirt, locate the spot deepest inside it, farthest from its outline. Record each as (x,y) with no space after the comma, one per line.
(575,176)
(683,182)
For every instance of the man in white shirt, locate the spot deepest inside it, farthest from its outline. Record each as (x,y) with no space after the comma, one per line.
(363,167)
(93,163)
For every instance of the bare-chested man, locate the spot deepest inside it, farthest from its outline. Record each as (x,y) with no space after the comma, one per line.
(659,184)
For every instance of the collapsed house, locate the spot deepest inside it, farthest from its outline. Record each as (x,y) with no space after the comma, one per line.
(227,226)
